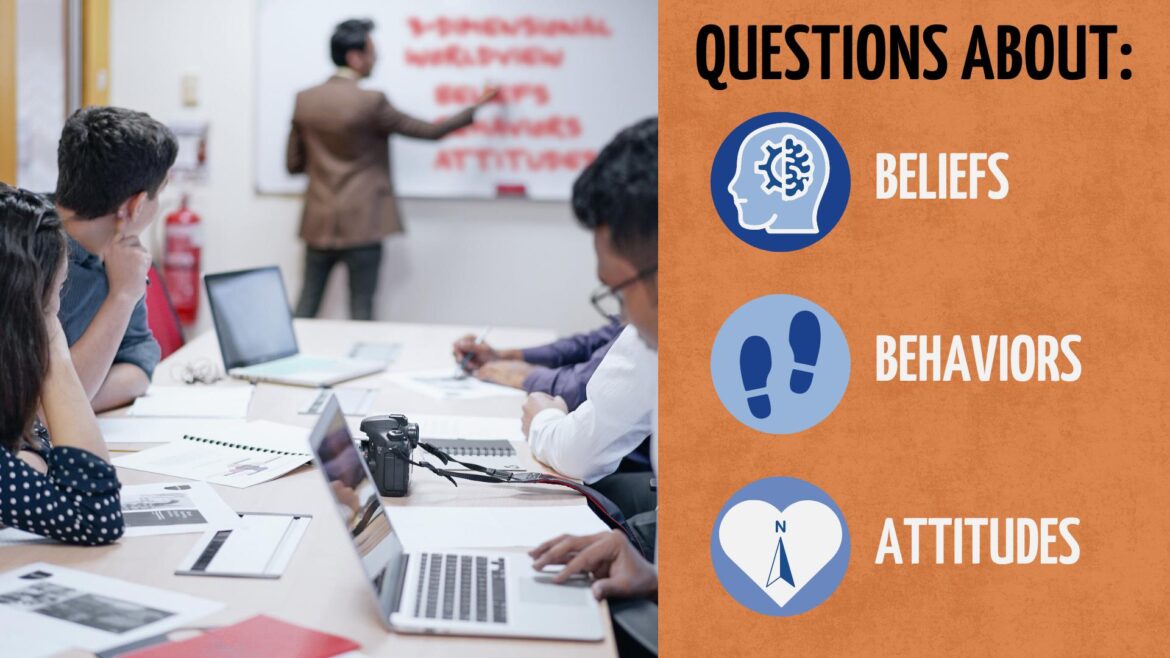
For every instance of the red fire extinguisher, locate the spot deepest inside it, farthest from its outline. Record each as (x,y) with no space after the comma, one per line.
(184,242)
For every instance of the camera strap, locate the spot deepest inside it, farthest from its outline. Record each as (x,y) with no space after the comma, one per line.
(609,512)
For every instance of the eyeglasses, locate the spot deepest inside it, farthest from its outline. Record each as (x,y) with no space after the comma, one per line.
(609,302)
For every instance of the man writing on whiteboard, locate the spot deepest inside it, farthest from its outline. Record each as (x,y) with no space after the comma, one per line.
(339,137)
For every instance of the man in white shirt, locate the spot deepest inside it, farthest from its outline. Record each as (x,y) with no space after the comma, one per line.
(617,198)
(590,442)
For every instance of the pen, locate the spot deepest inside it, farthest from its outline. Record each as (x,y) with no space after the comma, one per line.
(478,341)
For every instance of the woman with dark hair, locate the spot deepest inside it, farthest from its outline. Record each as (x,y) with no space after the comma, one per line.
(64,490)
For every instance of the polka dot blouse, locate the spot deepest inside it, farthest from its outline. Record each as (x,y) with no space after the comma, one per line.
(77,501)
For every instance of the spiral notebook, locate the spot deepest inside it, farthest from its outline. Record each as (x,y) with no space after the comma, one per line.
(472,448)
(486,441)
(492,453)
(240,456)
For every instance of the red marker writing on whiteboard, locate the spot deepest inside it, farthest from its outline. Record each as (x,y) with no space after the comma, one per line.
(490,93)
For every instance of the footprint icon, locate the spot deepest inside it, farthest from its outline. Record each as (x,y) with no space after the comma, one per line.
(755,363)
(804,335)
(780,365)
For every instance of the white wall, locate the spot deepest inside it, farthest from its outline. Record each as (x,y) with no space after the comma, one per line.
(514,262)
(40,91)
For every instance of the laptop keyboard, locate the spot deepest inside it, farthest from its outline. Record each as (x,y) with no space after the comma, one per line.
(462,588)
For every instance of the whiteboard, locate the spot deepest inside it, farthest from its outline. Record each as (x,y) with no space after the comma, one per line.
(572,72)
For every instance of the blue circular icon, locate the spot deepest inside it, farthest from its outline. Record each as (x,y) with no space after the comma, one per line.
(780,546)
(780,364)
(780,181)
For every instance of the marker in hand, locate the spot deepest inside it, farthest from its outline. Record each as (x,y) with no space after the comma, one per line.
(489,93)
(466,360)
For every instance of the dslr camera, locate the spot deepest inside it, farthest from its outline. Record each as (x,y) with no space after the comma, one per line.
(391,440)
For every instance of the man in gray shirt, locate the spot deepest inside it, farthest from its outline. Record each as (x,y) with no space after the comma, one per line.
(112,163)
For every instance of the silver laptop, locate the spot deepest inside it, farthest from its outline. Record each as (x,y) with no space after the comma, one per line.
(454,592)
(255,330)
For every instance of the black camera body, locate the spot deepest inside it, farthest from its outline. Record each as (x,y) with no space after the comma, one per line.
(391,440)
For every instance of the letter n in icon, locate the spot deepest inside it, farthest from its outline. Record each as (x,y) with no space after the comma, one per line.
(780,570)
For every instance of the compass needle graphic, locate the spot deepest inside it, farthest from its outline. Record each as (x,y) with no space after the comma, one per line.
(780,569)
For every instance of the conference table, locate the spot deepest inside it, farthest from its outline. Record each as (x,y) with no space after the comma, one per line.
(324,587)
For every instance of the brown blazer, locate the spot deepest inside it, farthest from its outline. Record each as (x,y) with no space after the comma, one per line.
(339,137)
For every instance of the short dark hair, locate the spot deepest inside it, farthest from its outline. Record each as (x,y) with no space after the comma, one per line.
(349,35)
(107,155)
(619,189)
(32,251)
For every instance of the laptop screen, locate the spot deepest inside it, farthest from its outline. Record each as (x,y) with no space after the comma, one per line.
(359,506)
(252,317)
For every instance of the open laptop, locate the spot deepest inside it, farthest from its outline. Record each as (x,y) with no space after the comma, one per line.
(255,330)
(453,592)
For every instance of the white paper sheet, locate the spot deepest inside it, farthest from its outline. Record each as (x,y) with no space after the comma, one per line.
(194,402)
(14,537)
(255,452)
(353,401)
(261,546)
(467,427)
(128,429)
(448,384)
(162,508)
(489,527)
(382,352)
(174,508)
(45,608)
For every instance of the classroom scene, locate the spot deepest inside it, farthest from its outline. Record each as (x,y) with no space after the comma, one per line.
(328,328)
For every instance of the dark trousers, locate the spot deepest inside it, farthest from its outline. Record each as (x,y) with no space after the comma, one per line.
(635,627)
(632,494)
(363,264)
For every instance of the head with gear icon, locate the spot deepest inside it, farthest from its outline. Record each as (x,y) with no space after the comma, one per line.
(781,172)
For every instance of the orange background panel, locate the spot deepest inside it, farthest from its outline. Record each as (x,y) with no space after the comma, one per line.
(8,91)
(1079,246)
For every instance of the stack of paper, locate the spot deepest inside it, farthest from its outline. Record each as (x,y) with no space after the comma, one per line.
(467,427)
(173,508)
(260,546)
(163,508)
(194,402)
(130,429)
(47,609)
(353,401)
(249,454)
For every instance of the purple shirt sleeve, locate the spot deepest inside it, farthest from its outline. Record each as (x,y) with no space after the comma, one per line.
(574,349)
(565,366)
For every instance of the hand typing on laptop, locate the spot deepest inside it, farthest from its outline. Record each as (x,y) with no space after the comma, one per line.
(619,571)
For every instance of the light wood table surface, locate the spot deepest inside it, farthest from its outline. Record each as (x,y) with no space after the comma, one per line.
(324,587)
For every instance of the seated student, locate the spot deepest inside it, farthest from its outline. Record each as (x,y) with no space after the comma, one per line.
(589,442)
(617,197)
(561,368)
(112,164)
(66,490)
